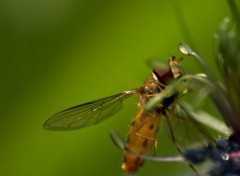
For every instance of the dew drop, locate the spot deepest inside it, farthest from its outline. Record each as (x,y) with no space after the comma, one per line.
(225,156)
(186,50)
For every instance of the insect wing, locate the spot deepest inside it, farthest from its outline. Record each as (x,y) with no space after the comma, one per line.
(188,131)
(88,113)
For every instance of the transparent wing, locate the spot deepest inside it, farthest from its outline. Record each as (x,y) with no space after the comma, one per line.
(191,129)
(88,113)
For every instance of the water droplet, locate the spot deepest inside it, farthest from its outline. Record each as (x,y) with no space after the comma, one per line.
(184,49)
(225,156)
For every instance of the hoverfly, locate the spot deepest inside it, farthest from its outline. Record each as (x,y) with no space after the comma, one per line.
(143,129)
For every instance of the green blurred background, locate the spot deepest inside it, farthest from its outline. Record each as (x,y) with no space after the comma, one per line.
(58,53)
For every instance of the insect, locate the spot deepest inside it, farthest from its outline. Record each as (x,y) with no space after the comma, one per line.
(143,129)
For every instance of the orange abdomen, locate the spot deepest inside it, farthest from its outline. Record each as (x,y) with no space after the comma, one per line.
(141,137)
